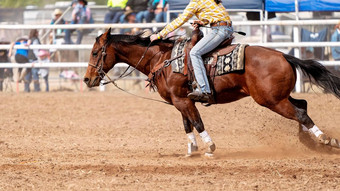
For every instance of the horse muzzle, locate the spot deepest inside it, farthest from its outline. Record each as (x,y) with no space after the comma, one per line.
(92,82)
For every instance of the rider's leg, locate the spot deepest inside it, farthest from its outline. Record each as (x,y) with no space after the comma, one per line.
(205,45)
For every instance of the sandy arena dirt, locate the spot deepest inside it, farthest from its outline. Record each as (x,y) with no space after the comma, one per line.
(114,141)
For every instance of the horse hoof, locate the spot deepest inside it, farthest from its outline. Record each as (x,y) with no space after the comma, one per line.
(194,148)
(211,147)
(191,148)
(335,143)
(209,154)
(324,139)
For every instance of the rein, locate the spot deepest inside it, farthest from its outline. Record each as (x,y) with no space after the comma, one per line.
(103,74)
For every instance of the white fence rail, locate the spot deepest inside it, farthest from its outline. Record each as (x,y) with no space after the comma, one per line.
(150,25)
(85,64)
(52,65)
(89,46)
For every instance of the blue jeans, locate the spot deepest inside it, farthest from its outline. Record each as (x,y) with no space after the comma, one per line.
(68,34)
(80,32)
(162,17)
(113,16)
(46,83)
(28,79)
(35,77)
(32,74)
(210,41)
(147,15)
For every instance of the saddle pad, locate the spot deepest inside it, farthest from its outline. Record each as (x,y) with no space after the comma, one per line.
(178,50)
(233,61)
(226,63)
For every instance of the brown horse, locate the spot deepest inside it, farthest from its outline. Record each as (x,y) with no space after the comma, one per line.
(269,78)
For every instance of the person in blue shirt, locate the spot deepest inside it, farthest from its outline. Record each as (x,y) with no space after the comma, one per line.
(336,49)
(21,55)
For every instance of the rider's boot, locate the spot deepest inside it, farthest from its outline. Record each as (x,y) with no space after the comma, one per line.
(197,95)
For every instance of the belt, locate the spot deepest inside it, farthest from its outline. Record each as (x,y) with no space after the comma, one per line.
(220,23)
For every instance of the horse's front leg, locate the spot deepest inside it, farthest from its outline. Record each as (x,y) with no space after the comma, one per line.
(192,143)
(191,117)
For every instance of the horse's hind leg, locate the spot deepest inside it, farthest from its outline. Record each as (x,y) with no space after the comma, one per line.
(297,110)
(306,124)
(302,104)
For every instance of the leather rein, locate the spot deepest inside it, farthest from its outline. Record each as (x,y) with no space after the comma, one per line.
(103,74)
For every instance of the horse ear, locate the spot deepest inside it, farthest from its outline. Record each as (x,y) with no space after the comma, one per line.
(108,33)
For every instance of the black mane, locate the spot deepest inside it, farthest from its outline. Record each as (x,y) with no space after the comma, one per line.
(134,39)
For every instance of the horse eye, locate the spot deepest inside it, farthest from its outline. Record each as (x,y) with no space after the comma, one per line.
(94,54)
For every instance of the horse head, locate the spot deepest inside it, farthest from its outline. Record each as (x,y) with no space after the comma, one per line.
(134,50)
(102,59)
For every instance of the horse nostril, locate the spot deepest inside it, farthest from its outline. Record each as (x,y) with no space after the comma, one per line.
(86,80)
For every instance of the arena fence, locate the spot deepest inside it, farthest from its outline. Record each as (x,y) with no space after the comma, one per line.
(295,44)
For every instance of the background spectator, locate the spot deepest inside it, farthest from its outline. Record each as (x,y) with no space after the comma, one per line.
(81,14)
(160,10)
(336,49)
(147,15)
(140,9)
(56,36)
(57,14)
(116,10)
(3,71)
(130,17)
(32,73)
(44,72)
(21,55)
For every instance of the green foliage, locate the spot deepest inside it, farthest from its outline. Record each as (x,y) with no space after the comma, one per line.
(19,3)
(100,2)
(39,3)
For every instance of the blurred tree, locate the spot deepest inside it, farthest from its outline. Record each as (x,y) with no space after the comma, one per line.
(39,3)
(19,3)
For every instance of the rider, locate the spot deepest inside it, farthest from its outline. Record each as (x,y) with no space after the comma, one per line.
(208,12)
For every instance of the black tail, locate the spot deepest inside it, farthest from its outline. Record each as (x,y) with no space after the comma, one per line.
(322,77)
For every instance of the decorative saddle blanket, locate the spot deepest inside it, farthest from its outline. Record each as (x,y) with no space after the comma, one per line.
(226,60)
(178,51)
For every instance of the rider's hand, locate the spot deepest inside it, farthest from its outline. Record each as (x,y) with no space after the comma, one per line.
(197,23)
(153,37)
(196,26)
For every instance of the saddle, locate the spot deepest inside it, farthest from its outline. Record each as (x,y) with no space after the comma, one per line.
(225,58)
(224,47)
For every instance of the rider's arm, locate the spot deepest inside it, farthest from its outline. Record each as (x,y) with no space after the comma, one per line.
(189,11)
(223,8)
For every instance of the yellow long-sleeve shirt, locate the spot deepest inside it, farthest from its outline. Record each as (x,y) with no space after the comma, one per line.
(205,10)
(117,3)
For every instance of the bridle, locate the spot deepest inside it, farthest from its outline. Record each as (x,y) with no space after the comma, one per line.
(102,73)
(99,66)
